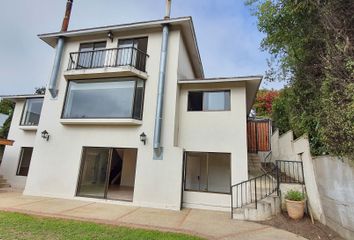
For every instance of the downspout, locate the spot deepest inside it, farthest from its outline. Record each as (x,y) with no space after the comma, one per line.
(53,89)
(158,150)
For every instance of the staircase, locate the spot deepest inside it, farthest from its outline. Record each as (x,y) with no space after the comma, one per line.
(254,165)
(266,209)
(3,183)
(256,199)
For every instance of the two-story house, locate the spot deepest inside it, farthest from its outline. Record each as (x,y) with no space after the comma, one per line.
(128,117)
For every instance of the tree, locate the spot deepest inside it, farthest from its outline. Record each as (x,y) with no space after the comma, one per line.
(264,102)
(6,107)
(311,43)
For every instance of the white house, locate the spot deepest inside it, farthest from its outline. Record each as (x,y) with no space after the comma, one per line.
(128,117)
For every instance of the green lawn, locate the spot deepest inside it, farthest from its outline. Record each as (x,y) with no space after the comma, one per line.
(21,226)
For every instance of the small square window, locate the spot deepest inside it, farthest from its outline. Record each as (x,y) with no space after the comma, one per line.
(25,160)
(209,101)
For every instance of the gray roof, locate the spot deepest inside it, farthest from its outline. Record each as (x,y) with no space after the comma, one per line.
(184,23)
(22,96)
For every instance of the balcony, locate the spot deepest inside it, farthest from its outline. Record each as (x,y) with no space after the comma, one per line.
(112,62)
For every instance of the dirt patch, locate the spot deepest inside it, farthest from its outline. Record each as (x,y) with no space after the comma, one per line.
(303,227)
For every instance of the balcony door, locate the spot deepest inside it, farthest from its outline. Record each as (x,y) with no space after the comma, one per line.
(92,55)
(132,52)
(107,173)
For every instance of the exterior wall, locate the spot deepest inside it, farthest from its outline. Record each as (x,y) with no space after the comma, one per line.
(11,155)
(221,131)
(157,183)
(335,179)
(185,69)
(284,147)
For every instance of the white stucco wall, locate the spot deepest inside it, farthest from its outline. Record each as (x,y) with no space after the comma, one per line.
(218,131)
(284,147)
(11,157)
(157,183)
(55,164)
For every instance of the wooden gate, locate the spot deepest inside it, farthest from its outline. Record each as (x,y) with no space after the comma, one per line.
(258,135)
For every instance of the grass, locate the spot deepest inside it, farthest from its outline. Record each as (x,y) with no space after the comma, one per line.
(22,226)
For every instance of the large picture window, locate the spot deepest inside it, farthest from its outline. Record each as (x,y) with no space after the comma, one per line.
(207,172)
(32,112)
(209,100)
(109,98)
(24,162)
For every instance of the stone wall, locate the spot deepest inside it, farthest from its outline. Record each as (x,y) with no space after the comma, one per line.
(335,180)
(284,147)
(329,182)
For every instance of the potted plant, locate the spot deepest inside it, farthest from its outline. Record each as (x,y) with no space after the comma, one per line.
(295,204)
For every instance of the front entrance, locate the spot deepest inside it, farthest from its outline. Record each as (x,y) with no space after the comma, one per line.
(107,173)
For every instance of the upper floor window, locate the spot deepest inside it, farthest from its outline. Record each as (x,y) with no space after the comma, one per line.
(132,52)
(32,112)
(108,98)
(91,55)
(209,100)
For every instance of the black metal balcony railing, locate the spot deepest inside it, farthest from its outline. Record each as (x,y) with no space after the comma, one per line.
(112,57)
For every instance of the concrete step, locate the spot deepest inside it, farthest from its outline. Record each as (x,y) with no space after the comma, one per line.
(5,185)
(2,180)
(266,209)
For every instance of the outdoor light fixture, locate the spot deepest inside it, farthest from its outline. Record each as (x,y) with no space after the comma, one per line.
(143,138)
(45,135)
(110,35)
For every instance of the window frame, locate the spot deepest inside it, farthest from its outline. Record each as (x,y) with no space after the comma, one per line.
(98,80)
(24,112)
(92,55)
(207,173)
(20,160)
(209,91)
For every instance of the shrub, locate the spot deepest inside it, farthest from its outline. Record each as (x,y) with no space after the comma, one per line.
(294,195)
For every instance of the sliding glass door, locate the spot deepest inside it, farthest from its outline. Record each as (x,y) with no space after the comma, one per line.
(94,172)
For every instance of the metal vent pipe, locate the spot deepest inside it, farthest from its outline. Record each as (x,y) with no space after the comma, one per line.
(59,51)
(158,154)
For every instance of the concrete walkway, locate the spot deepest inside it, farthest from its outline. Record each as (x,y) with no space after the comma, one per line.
(207,224)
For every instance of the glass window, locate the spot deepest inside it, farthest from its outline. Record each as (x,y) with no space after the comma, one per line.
(32,112)
(24,162)
(111,98)
(209,101)
(90,55)
(132,52)
(94,172)
(208,172)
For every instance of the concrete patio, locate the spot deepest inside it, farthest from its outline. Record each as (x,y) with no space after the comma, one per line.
(207,224)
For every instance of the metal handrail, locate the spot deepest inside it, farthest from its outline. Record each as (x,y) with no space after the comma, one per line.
(109,57)
(247,192)
(284,171)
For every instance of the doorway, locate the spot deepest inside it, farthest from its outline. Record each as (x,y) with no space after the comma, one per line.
(107,173)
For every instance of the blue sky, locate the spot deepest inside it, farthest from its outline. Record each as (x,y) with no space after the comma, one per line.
(227,35)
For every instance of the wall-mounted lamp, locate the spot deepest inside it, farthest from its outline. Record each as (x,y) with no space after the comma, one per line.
(143,138)
(110,35)
(45,135)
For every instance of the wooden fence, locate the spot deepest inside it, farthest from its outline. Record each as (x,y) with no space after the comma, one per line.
(258,135)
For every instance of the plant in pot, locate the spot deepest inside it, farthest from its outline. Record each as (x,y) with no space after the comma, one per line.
(295,204)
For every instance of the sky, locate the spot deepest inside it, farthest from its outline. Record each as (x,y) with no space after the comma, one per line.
(227,35)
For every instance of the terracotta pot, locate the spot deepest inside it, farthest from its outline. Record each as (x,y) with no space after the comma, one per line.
(295,209)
